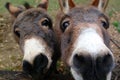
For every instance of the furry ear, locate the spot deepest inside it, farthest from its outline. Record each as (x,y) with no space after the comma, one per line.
(43,4)
(71,3)
(100,4)
(27,5)
(66,5)
(15,11)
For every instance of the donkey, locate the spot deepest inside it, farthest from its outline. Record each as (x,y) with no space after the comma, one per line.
(84,41)
(33,30)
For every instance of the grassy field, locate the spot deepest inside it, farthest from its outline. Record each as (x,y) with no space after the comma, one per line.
(53,5)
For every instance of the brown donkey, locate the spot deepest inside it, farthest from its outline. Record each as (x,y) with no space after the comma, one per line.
(33,31)
(82,34)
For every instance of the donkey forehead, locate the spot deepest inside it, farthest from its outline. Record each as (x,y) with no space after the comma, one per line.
(33,14)
(30,18)
(29,22)
(84,14)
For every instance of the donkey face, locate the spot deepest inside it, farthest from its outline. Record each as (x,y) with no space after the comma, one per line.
(84,41)
(33,30)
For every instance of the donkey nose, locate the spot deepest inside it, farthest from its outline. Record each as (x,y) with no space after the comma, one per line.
(39,65)
(100,65)
(27,67)
(104,63)
(82,62)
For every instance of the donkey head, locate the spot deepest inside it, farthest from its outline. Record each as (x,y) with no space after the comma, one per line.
(33,31)
(82,34)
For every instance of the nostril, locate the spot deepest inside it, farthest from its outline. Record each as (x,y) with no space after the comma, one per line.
(40,62)
(81,61)
(78,60)
(107,59)
(27,67)
(105,63)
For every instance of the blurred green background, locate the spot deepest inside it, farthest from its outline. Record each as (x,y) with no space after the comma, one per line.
(53,5)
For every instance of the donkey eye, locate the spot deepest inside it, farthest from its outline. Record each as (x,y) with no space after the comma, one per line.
(65,25)
(105,24)
(17,32)
(46,23)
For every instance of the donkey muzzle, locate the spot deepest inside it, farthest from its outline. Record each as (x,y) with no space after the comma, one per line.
(39,66)
(93,68)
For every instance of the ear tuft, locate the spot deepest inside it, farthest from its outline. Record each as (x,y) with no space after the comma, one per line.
(7,5)
(43,4)
(95,3)
(71,3)
(100,4)
(66,5)
(27,5)
(12,9)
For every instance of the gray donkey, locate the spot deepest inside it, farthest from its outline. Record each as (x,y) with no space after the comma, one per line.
(33,30)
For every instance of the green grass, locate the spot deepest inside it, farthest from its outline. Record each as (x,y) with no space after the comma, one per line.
(52,9)
(53,5)
(114,4)
(15,2)
(117,25)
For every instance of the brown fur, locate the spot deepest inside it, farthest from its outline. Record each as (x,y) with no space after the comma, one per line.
(93,17)
(77,19)
(30,24)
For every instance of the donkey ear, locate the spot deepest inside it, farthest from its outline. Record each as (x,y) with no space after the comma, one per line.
(100,4)
(27,5)
(12,9)
(66,5)
(43,4)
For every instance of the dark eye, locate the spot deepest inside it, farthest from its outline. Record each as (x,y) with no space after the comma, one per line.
(65,25)
(105,24)
(17,32)
(46,23)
